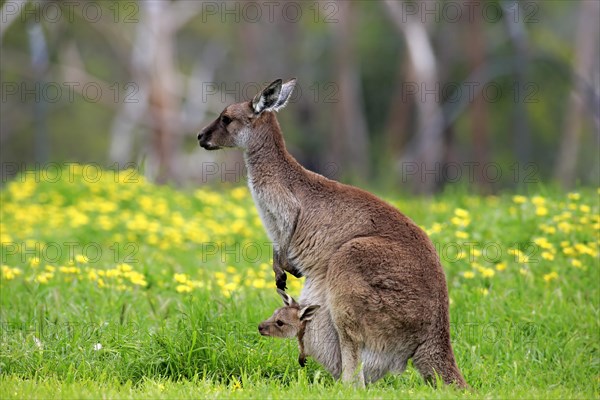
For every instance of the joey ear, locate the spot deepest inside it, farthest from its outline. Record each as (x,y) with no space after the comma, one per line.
(285,94)
(287,299)
(307,313)
(267,98)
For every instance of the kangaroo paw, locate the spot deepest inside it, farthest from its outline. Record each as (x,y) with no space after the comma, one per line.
(280,280)
(302,360)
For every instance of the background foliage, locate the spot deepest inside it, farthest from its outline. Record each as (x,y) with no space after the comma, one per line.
(410,94)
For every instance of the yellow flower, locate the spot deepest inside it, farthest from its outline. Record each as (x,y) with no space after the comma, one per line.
(124,267)
(9,273)
(541,241)
(550,230)
(181,278)
(462,213)
(219,275)
(551,276)
(484,291)
(576,263)
(460,221)
(519,199)
(183,289)
(239,193)
(69,270)
(44,277)
(296,284)
(519,256)
(501,266)
(488,272)
(152,239)
(5,238)
(112,273)
(565,227)
(92,275)
(546,255)
(136,278)
(583,249)
(538,200)
(34,262)
(540,211)
(462,235)
(231,270)
(259,283)
(81,259)
(468,275)
(585,208)
(236,384)
(574,196)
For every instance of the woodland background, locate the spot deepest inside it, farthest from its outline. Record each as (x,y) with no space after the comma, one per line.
(412,95)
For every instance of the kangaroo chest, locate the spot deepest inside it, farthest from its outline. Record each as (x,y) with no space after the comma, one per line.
(266,213)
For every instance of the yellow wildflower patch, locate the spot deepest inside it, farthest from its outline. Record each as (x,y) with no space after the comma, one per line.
(519,199)
(215,226)
(551,276)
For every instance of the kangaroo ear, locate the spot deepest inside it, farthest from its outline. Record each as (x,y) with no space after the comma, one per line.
(267,98)
(307,313)
(284,95)
(287,299)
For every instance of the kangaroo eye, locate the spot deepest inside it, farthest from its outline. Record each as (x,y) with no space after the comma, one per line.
(279,322)
(225,120)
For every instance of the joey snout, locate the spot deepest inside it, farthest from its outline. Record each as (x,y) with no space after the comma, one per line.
(262,329)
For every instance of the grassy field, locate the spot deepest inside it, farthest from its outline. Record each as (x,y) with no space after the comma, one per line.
(115,288)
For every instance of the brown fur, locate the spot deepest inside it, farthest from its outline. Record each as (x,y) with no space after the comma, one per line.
(374,271)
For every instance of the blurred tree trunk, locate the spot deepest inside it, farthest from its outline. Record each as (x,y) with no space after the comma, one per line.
(586,46)
(520,125)
(39,65)
(479,109)
(449,52)
(156,84)
(350,142)
(401,107)
(163,86)
(428,146)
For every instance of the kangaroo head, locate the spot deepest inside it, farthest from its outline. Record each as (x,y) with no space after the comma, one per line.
(287,321)
(239,124)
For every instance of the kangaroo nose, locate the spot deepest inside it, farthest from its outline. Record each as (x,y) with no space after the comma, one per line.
(200,134)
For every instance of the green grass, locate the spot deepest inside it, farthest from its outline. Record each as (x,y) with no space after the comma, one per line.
(170,308)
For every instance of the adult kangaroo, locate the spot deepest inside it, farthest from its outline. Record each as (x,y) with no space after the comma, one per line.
(372,269)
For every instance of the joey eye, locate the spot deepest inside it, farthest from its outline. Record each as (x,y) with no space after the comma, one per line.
(279,322)
(225,120)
